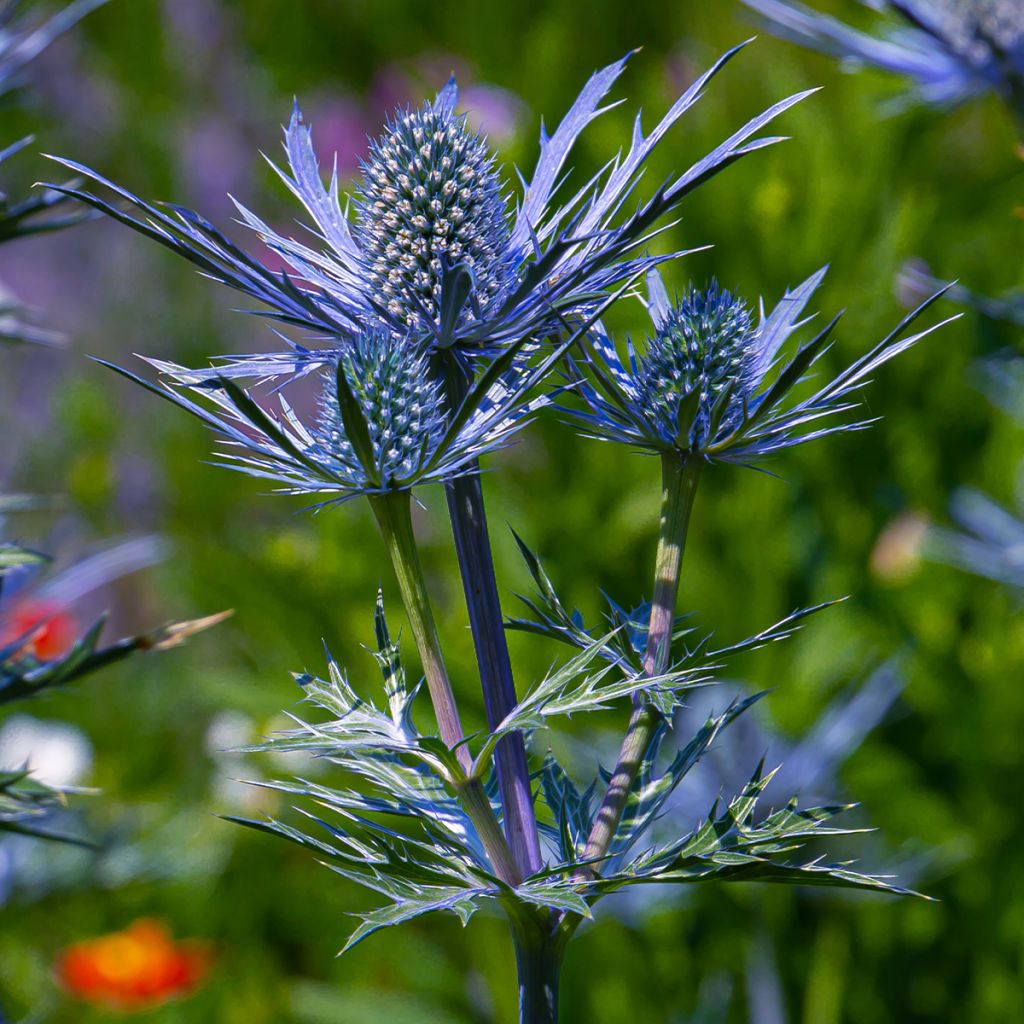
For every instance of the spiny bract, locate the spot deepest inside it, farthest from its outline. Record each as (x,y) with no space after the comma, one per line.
(700,349)
(434,249)
(430,196)
(401,402)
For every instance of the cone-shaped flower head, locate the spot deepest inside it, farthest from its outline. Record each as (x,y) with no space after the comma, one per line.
(700,350)
(705,382)
(431,199)
(950,49)
(431,248)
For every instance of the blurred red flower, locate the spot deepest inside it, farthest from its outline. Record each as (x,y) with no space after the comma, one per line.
(135,969)
(49,630)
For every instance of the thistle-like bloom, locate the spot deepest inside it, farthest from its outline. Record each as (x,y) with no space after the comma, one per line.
(435,251)
(951,50)
(382,423)
(707,381)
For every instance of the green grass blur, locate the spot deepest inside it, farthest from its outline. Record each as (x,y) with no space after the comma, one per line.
(175,100)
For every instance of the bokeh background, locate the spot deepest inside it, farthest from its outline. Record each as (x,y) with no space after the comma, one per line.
(176,99)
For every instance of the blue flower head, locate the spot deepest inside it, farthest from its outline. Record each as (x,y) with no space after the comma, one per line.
(709,382)
(433,250)
(951,50)
(401,404)
(382,421)
(431,199)
(701,349)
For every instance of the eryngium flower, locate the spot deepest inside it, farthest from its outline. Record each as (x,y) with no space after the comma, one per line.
(382,423)
(951,50)
(704,382)
(435,250)
(700,349)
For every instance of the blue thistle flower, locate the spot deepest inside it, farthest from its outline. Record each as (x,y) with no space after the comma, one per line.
(402,405)
(703,384)
(951,50)
(434,250)
(700,349)
(382,422)
(431,198)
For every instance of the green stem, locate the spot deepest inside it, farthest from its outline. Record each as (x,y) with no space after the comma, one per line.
(394,516)
(680,476)
(477,806)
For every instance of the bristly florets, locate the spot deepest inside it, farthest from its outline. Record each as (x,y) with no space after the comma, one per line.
(401,402)
(430,196)
(701,349)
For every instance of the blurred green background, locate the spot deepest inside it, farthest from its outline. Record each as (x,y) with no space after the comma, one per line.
(176,99)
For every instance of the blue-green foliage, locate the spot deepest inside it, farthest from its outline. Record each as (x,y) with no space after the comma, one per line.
(403,834)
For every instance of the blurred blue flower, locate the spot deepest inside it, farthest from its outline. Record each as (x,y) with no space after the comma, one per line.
(989,543)
(707,381)
(21,43)
(951,50)
(434,250)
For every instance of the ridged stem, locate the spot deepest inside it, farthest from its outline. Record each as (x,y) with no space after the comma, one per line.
(394,517)
(680,476)
(540,950)
(479,583)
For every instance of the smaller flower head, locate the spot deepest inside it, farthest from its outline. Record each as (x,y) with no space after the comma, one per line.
(382,422)
(703,383)
(401,404)
(951,50)
(700,350)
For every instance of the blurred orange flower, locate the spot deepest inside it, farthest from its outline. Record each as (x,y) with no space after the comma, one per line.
(49,630)
(136,969)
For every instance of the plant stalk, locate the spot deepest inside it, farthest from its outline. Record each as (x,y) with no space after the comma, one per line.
(479,583)
(539,951)
(393,511)
(680,476)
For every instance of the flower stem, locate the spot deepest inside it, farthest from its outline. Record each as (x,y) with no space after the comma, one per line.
(479,583)
(394,516)
(680,476)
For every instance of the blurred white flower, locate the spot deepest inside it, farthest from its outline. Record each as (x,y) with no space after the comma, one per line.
(58,754)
